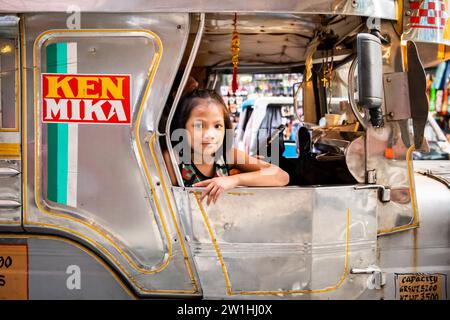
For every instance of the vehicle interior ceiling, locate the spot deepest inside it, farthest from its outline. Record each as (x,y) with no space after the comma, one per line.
(281,43)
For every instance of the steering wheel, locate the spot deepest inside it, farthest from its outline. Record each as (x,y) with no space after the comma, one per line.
(275,135)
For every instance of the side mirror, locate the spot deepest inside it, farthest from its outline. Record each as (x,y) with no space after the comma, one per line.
(370,75)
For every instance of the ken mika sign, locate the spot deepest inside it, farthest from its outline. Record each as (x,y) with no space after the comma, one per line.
(85,98)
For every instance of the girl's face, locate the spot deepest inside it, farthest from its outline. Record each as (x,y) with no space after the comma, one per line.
(206,128)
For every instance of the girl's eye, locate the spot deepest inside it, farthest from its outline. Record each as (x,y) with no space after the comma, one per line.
(219,126)
(198,125)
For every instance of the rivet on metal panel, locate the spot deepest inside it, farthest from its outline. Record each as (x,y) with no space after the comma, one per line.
(396,94)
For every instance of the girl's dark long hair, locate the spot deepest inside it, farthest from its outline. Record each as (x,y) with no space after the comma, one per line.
(189,101)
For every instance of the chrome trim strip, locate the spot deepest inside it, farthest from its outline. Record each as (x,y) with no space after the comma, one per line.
(186,73)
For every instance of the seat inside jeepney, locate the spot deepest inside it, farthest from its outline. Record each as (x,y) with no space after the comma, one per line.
(317,162)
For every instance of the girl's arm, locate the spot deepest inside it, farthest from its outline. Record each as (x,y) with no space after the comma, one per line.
(256,173)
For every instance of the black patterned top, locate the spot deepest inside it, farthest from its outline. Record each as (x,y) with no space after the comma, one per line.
(191,174)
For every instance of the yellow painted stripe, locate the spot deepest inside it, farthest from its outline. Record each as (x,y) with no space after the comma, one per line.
(166,195)
(10,149)
(15,223)
(225,271)
(216,247)
(399,24)
(155,62)
(110,256)
(151,72)
(89,252)
(241,193)
(415,221)
(441,51)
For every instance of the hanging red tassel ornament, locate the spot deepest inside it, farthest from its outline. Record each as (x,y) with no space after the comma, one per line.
(235,42)
(234,83)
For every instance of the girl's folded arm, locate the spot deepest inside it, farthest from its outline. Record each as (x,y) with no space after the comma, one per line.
(256,172)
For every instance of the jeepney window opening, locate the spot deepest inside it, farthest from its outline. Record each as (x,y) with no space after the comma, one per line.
(282,114)
(214,47)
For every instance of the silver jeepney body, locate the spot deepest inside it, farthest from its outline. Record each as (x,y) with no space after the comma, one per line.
(134,235)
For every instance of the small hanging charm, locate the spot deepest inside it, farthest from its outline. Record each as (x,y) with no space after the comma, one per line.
(235,42)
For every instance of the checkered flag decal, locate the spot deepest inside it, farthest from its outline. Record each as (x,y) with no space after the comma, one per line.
(428,14)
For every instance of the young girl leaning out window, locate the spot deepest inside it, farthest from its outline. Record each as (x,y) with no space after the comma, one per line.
(206,160)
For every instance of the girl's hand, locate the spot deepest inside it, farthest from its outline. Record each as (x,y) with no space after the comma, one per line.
(215,186)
